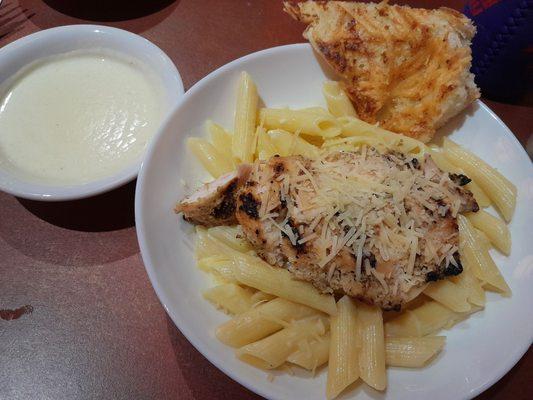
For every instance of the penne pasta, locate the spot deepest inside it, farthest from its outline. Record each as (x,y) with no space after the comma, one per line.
(372,346)
(220,266)
(212,160)
(301,121)
(256,273)
(412,352)
(265,146)
(273,351)
(289,144)
(499,189)
(231,236)
(476,254)
(495,229)
(201,244)
(421,321)
(261,297)
(220,138)
(468,281)
(443,163)
(313,354)
(261,321)
(355,127)
(244,139)
(449,294)
(317,110)
(354,143)
(483,237)
(230,297)
(339,104)
(481,197)
(405,352)
(403,324)
(343,352)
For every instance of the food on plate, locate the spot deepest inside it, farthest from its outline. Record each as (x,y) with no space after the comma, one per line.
(374,226)
(335,241)
(404,68)
(78,117)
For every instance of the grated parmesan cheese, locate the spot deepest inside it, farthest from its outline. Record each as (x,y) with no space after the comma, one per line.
(371,205)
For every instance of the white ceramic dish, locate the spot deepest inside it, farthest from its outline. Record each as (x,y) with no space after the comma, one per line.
(65,39)
(479,351)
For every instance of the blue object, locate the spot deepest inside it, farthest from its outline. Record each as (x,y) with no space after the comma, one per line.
(502,47)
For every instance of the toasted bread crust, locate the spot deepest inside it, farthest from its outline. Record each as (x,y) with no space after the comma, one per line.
(404,68)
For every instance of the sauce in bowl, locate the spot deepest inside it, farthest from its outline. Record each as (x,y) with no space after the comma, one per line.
(78,117)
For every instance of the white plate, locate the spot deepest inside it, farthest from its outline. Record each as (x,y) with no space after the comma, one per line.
(478,351)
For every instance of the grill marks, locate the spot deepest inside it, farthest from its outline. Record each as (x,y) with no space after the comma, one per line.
(299,247)
(446,270)
(460,179)
(329,221)
(226,208)
(250,205)
(286,211)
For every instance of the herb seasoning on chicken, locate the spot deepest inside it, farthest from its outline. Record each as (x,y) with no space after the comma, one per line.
(374,226)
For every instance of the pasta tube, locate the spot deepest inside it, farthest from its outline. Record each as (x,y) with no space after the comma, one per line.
(495,229)
(244,139)
(476,254)
(372,352)
(412,352)
(406,352)
(201,245)
(230,297)
(421,321)
(256,273)
(449,294)
(309,123)
(467,280)
(289,144)
(261,321)
(274,350)
(212,160)
(266,148)
(343,353)
(317,110)
(220,266)
(260,297)
(355,127)
(220,138)
(313,354)
(338,102)
(443,163)
(229,236)
(499,189)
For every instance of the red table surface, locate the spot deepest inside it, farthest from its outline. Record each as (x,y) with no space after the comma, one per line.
(97,329)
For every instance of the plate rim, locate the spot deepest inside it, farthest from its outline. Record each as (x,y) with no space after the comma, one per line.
(147,259)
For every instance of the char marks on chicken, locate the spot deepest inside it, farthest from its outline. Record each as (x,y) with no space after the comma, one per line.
(377,227)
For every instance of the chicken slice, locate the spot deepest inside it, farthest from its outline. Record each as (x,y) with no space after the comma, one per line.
(377,227)
(213,204)
(278,211)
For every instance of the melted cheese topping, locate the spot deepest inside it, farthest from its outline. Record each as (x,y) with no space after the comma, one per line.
(373,206)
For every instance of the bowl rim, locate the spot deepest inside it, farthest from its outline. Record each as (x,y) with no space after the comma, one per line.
(42,192)
(147,257)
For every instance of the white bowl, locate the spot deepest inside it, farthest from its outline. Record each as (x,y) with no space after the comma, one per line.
(479,350)
(64,39)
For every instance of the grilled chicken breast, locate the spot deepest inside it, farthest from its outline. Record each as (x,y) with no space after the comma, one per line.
(374,226)
(214,203)
(404,68)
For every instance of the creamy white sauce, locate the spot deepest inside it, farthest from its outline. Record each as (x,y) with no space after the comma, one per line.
(78,117)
